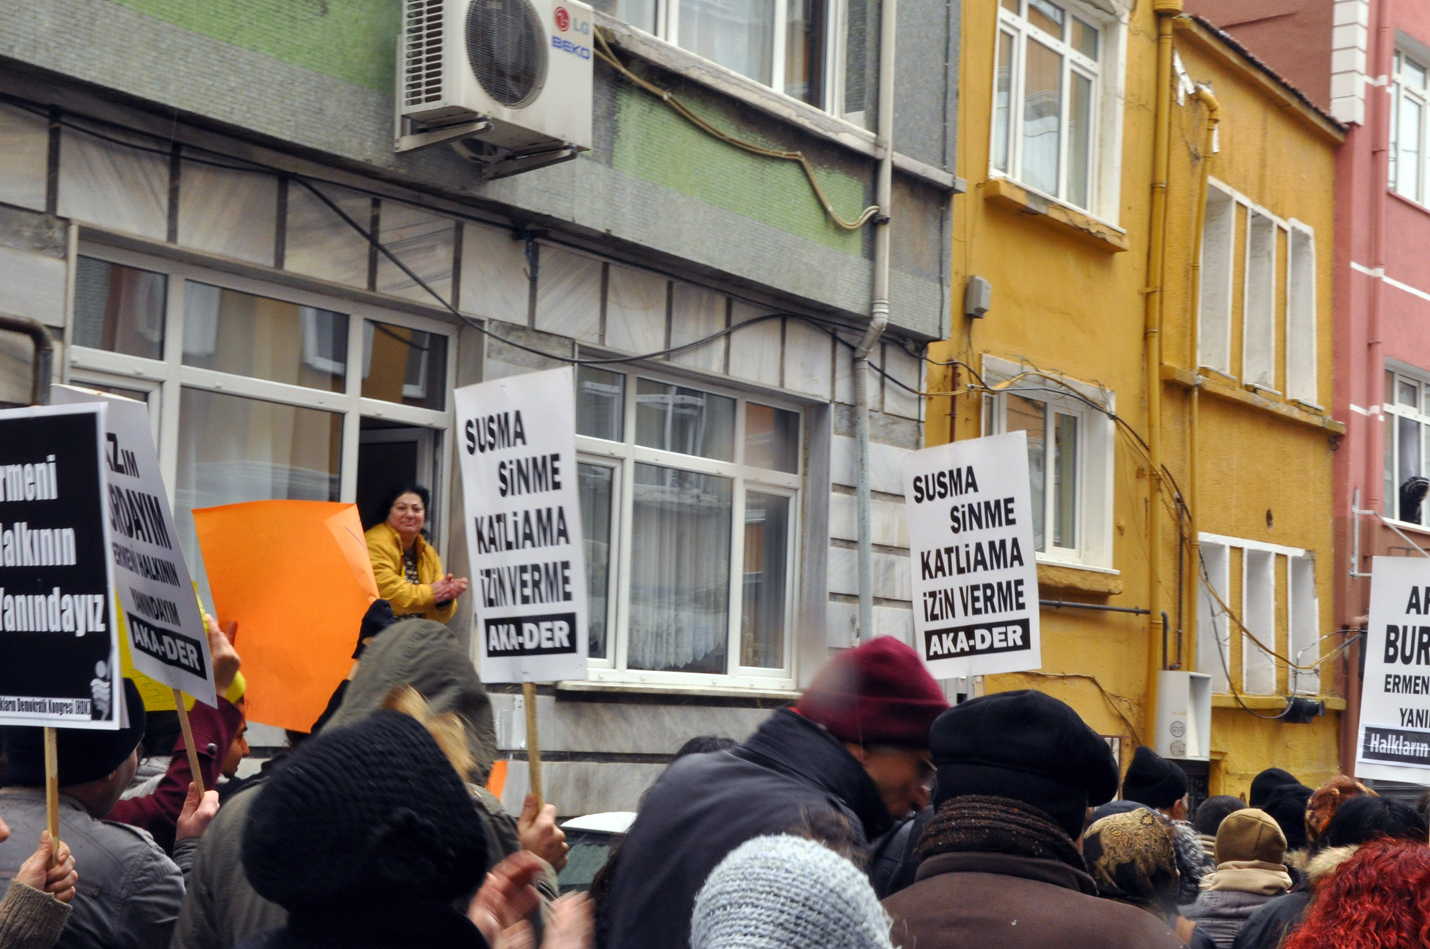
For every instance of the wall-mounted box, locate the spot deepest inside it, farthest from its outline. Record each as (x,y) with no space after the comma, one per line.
(1184,715)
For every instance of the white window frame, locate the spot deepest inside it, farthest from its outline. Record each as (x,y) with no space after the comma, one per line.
(166,377)
(1258,335)
(1095,463)
(1213,622)
(1218,250)
(667,28)
(1105,147)
(1392,412)
(1302,325)
(1403,90)
(1258,612)
(1303,616)
(623,457)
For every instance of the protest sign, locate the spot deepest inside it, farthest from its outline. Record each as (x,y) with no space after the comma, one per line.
(296,577)
(1394,741)
(974,567)
(167,640)
(57,634)
(517,442)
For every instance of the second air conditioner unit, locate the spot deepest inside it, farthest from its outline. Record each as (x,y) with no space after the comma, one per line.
(507,82)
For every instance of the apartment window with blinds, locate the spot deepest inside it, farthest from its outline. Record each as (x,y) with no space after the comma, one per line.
(690,510)
(1046,98)
(1407,127)
(1406,412)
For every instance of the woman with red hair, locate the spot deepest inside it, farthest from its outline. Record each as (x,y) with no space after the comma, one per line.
(1378,899)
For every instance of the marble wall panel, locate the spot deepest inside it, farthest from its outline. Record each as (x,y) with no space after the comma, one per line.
(899,365)
(844,369)
(24,157)
(808,359)
(494,275)
(893,579)
(842,625)
(32,285)
(894,621)
(886,464)
(695,313)
(320,244)
(568,294)
(582,787)
(617,727)
(425,243)
(887,522)
(233,213)
(635,310)
(755,353)
(112,186)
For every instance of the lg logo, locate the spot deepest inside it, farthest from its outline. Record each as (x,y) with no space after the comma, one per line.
(563,19)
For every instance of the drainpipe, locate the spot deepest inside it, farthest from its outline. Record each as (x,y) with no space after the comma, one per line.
(1165,11)
(878,311)
(44,353)
(1204,95)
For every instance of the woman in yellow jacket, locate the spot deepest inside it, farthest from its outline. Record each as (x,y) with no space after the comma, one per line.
(408,569)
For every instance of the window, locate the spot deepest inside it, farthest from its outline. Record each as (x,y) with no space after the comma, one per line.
(1046,95)
(689,504)
(1258,352)
(250,386)
(1068,466)
(1407,419)
(783,44)
(1278,603)
(1217,267)
(1407,128)
(1301,316)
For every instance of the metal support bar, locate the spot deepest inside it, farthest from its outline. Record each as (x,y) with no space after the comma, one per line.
(1073,605)
(44,353)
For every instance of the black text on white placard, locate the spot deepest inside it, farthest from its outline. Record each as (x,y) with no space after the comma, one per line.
(975,576)
(1394,739)
(516,438)
(59,654)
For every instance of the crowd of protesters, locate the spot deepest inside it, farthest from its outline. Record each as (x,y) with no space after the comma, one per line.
(869,815)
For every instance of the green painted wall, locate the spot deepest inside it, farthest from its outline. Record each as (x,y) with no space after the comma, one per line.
(352,40)
(652,142)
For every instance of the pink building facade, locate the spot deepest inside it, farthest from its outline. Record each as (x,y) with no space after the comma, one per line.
(1368,63)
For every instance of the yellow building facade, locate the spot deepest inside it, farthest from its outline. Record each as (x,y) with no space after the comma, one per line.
(1159,323)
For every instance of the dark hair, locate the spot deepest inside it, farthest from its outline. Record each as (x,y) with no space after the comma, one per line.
(1214,810)
(397,491)
(1364,818)
(704,744)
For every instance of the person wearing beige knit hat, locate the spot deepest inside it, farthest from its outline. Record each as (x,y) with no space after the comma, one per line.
(1250,850)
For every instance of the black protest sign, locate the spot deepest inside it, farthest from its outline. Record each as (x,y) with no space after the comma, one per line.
(57,635)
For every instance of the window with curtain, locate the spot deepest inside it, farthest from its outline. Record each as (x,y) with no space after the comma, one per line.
(1407,442)
(783,44)
(1057,434)
(689,508)
(1045,97)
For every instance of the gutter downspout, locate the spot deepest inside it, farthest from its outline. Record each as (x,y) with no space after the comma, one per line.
(878,310)
(1204,95)
(44,354)
(1165,11)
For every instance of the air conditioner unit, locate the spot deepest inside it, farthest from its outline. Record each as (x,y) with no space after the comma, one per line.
(507,82)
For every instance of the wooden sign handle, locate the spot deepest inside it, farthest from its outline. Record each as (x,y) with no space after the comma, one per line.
(52,792)
(194,769)
(533,740)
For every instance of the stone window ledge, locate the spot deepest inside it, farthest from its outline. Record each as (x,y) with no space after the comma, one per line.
(1274,703)
(1055,214)
(1097,581)
(1214,385)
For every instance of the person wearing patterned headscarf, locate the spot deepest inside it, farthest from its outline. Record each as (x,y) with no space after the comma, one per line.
(1131,858)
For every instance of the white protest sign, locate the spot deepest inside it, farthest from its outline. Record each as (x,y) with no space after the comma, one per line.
(517,441)
(1394,741)
(167,639)
(59,652)
(971,542)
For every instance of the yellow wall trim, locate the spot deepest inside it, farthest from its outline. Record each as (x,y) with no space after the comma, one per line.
(1274,703)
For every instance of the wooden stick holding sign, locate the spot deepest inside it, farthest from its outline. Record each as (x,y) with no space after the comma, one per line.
(188,730)
(533,741)
(52,792)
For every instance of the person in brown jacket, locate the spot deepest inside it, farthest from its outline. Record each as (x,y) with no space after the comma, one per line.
(1001,866)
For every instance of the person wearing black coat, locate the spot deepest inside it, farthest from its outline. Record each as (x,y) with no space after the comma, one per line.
(853,752)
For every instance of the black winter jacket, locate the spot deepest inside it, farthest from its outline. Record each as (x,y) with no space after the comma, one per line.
(705,806)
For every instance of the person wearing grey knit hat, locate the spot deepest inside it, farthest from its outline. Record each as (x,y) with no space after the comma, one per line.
(787,892)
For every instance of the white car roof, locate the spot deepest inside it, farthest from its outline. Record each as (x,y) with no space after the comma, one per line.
(610,822)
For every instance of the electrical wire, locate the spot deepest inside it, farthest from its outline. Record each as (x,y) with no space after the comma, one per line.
(1109,696)
(608,56)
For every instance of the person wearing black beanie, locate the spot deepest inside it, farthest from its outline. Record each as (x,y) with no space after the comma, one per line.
(1266,782)
(1286,803)
(1001,864)
(1161,785)
(388,838)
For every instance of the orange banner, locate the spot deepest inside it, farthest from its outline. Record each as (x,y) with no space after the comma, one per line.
(297,578)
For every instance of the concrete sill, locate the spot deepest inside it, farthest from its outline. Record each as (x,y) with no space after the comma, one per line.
(1274,703)
(1054,214)
(1291,411)
(656,688)
(1078,580)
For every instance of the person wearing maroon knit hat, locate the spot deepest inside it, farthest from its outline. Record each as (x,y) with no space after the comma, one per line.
(848,760)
